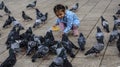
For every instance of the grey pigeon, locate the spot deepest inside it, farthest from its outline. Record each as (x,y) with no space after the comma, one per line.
(37,40)
(38,14)
(44,17)
(17,24)
(99,34)
(31,5)
(75,7)
(118,44)
(116,21)
(105,24)
(113,34)
(96,49)
(2,5)
(37,23)
(26,17)
(68,45)
(57,62)
(7,22)
(6,10)
(16,45)
(31,46)
(41,52)
(81,42)
(10,60)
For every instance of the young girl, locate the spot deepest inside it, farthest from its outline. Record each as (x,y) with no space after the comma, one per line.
(67,20)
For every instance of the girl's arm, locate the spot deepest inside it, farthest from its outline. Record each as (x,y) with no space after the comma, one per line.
(69,24)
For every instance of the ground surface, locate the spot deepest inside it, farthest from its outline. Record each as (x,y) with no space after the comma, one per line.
(89,13)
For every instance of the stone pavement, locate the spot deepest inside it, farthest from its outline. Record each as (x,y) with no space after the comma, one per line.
(89,13)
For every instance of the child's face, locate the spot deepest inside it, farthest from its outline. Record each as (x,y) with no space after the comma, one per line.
(60,14)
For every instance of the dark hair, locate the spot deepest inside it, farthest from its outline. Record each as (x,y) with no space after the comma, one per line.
(59,7)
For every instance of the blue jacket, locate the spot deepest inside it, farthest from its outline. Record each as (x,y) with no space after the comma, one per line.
(69,19)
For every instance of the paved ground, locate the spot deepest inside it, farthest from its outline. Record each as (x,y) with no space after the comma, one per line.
(89,13)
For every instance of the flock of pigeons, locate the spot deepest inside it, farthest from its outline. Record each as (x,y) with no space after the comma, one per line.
(41,46)
(38,46)
(40,17)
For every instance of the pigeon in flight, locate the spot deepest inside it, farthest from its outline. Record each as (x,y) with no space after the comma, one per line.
(31,5)
(105,24)
(26,17)
(81,42)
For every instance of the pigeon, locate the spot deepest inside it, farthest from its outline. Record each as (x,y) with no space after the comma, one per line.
(118,44)
(2,5)
(31,46)
(67,63)
(57,62)
(96,49)
(7,22)
(68,45)
(17,24)
(37,23)
(49,35)
(6,10)
(31,5)
(113,34)
(29,30)
(105,24)
(10,38)
(74,7)
(16,45)
(116,21)
(44,17)
(41,52)
(81,42)
(37,39)
(38,14)
(26,17)
(99,34)
(61,52)
(65,38)
(11,60)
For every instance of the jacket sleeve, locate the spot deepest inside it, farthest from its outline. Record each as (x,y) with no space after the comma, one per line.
(57,21)
(69,24)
